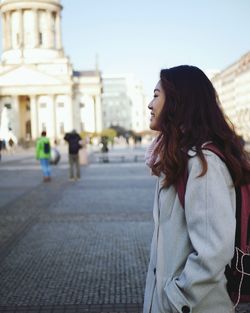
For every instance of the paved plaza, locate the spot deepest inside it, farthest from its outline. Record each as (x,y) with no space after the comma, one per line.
(68,247)
(75,246)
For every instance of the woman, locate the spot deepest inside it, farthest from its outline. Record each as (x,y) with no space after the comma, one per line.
(191,248)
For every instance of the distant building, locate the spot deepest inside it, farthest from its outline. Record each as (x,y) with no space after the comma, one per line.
(87,90)
(37,83)
(233,87)
(123,102)
(211,73)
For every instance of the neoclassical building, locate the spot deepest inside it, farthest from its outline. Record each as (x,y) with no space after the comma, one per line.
(38,85)
(232,85)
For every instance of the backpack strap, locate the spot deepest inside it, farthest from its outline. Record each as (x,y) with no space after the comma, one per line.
(245,219)
(215,150)
(182,183)
(237,273)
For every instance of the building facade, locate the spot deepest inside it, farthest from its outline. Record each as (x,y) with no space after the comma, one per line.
(232,85)
(38,86)
(87,98)
(123,102)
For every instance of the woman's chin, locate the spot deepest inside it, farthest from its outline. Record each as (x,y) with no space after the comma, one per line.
(153,126)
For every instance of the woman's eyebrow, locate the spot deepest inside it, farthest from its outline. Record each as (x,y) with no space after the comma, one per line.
(157,90)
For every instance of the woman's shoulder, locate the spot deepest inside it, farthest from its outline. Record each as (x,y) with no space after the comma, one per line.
(214,163)
(192,152)
(209,155)
(211,158)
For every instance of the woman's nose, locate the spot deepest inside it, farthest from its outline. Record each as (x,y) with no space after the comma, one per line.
(150,105)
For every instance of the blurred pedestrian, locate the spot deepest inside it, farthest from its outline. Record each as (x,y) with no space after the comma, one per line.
(104,149)
(75,144)
(11,145)
(1,148)
(4,145)
(193,240)
(55,154)
(43,154)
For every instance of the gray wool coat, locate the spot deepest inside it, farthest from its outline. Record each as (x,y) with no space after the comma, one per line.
(190,249)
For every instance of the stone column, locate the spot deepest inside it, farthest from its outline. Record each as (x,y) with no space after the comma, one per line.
(51,118)
(16,116)
(21,30)
(98,113)
(11,30)
(54,116)
(58,31)
(36,29)
(34,117)
(3,31)
(49,29)
(69,112)
(8,30)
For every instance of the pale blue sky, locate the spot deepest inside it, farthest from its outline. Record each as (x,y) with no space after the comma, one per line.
(143,36)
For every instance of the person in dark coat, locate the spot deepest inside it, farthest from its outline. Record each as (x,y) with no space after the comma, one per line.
(75,144)
(1,147)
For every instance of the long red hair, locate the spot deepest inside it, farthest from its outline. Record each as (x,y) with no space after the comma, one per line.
(190,117)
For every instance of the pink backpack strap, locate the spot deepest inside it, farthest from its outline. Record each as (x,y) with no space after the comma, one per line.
(215,150)
(245,218)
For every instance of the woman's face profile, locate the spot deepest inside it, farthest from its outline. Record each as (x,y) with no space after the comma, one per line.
(155,106)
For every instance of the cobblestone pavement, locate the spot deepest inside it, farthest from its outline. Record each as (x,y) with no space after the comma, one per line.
(75,246)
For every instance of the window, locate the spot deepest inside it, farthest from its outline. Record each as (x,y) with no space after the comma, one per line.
(82,105)
(82,126)
(43,105)
(43,126)
(40,38)
(8,106)
(54,29)
(60,105)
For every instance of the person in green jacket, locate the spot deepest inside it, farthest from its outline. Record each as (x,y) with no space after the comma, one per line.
(43,153)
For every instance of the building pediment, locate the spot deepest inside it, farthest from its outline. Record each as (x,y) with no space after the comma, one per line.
(26,75)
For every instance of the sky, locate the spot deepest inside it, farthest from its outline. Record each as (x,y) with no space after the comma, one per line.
(143,36)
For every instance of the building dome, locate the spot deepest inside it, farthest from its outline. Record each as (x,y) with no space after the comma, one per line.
(31,30)
(7,5)
(15,1)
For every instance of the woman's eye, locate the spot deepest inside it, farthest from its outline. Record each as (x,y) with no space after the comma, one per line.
(155,96)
